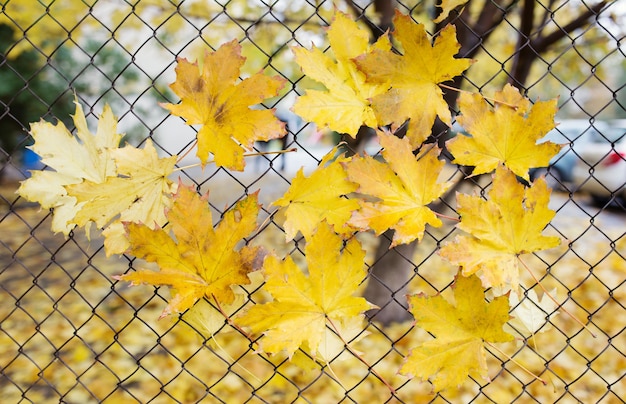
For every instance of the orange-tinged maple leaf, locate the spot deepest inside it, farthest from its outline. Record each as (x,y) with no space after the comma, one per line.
(345,106)
(460,331)
(404,186)
(198,260)
(508,224)
(414,77)
(306,308)
(210,97)
(319,197)
(505,134)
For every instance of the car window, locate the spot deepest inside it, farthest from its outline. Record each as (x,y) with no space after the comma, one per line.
(610,135)
(568,135)
(556,136)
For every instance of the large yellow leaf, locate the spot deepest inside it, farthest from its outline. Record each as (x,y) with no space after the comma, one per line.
(210,97)
(414,77)
(505,134)
(198,260)
(75,159)
(508,224)
(403,187)
(460,331)
(321,196)
(306,309)
(345,105)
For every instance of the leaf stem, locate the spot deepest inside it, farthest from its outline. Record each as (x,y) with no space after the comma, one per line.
(454,219)
(232,360)
(292,149)
(332,372)
(264,224)
(235,326)
(360,358)
(470,92)
(186,167)
(181,157)
(516,362)
(230,321)
(560,305)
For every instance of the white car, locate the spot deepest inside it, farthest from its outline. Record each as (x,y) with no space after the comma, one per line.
(600,169)
(574,135)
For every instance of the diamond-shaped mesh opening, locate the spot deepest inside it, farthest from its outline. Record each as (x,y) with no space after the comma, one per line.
(70,332)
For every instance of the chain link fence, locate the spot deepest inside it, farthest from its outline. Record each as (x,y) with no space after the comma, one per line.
(70,333)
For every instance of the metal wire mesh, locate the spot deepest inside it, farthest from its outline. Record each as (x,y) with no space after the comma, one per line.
(70,333)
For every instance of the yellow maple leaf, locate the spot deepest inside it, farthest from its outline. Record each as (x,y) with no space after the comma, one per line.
(505,134)
(198,260)
(210,97)
(140,193)
(403,187)
(75,158)
(96,181)
(319,197)
(508,224)
(305,309)
(446,7)
(460,331)
(414,77)
(345,106)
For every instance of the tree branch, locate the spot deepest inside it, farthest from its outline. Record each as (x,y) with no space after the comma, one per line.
(386,14)
(529,49)
(471,34)
(541,44)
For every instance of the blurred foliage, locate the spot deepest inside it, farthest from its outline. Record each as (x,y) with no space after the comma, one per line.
(40,24)
(29,90)
(267,31)
(104,73)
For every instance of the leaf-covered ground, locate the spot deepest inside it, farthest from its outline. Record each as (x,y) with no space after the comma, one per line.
(69,332)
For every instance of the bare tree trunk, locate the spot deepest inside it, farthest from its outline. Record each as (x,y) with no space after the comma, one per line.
(387,285)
